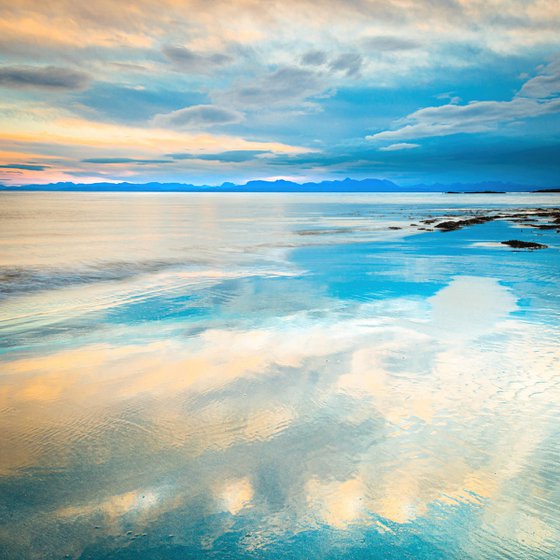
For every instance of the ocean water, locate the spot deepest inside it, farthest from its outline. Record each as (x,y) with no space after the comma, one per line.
(189,376)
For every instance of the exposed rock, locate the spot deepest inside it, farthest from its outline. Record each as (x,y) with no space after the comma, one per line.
(525,217)
(449,226)
(517,244)
(545,226)
(475,192)
(484,192)
(458,224)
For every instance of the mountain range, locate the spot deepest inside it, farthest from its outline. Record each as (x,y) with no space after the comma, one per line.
(339,186)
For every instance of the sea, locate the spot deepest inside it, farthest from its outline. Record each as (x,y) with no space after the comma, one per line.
(277,376)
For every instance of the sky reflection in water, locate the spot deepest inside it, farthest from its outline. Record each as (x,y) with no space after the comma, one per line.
(189,376)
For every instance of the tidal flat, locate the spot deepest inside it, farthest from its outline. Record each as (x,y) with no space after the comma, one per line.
(318,376)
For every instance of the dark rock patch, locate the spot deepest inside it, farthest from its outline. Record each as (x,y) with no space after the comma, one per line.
(536,218)
(545,226)
(458,224)
(517,244)
(448,226)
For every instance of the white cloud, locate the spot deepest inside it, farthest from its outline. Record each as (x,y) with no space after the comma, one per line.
(544,86)
(399,146)
(538,96)
(198,116)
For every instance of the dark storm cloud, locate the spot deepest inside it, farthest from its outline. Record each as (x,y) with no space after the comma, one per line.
(48,77)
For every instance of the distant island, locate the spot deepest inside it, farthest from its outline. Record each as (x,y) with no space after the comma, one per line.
(476,192)
(283,186)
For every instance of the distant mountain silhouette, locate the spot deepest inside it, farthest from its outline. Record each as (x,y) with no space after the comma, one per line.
(340,186)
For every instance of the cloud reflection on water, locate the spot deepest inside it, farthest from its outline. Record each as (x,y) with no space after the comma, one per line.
(381,404)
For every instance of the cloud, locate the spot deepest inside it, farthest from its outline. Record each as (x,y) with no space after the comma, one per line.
(545,85)
(283,86)
(198,116)
(230,156)
(116,160)
(450,97)
(399,146)
(478,116)
(350,63)
(537,97)
(301,75)
(389,43)
(24,166)
(191,61)
(35,29)
(129,66)
(117,103)
(314,58)
(49,77)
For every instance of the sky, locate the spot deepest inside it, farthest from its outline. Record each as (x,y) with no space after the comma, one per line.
(415,91)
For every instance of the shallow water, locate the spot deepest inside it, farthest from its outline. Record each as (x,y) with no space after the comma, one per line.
(276,376)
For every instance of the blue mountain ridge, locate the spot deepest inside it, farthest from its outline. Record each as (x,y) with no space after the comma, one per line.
(340,186)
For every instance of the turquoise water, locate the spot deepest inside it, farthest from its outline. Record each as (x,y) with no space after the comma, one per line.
(276,376)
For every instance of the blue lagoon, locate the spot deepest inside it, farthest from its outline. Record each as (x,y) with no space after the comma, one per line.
(278,376)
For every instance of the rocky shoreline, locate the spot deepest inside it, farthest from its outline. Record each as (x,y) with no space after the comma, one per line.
(535,218)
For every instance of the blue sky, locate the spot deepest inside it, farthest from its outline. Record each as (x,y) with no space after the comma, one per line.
(206,92)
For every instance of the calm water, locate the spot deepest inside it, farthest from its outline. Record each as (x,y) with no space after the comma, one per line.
(276,376)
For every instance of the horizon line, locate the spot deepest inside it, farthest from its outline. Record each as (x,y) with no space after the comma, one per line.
(369,184)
